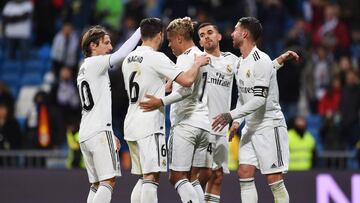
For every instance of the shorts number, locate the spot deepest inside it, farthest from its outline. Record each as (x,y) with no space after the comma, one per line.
(87,101)
(163,150)
(209,148)
(132,85)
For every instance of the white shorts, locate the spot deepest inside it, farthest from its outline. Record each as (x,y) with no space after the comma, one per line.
(101,157)
(205,158)
(221,154)
(267,149)
(148,155)
(184,140)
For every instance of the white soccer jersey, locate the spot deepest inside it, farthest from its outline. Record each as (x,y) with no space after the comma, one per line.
(95,93)
(193,109)
(145,72)
(254,75)
(220,74)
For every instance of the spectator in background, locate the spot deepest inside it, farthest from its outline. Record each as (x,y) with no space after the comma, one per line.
(7,98)
(65,49)
(328,108)
(321,72)
(301,145)
(333,33)
(109,13)
(349,110)
(10,134)
(44,127)
(46,13)
(17,24)
(272,14)
(64,95)
(344,65)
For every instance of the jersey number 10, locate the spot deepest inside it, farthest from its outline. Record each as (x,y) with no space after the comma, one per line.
(87,101)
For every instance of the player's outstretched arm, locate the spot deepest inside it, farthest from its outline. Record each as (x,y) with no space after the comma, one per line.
(288,55)
(125,49)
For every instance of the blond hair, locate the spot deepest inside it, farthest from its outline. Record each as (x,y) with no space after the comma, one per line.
(182,26)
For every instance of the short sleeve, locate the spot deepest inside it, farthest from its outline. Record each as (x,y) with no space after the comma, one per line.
(164,66)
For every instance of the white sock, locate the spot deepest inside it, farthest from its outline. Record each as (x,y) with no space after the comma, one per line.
(149,191)
(103,194)
(279,191)
(211,198)
(199,190)
(91,194)
(136,192)
(186,191)
(248,190)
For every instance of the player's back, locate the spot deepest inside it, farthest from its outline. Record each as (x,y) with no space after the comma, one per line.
(193,109)
(145,72)
(220,74)
(270,113)
(94,88)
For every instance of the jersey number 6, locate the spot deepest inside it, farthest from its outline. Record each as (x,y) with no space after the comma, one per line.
(132,84)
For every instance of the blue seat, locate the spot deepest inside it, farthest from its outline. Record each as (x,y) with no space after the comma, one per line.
(32,79)
(11,79)
(314,123)
(34,66)
(44,52)
(10,66)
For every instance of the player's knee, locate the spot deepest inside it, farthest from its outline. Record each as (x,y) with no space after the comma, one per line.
(246,171)
(175,176)
(272,178)
(218,177)
(110,182)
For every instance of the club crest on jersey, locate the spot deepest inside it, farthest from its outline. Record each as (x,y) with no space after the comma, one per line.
(228,68)
(248,73)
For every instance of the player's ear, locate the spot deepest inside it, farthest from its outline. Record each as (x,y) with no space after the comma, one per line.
(219,36)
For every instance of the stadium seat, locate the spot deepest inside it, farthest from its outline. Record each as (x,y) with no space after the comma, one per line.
(313,126)
(44,52)
(10,66)
(32,79)
(10,78)
(34,66)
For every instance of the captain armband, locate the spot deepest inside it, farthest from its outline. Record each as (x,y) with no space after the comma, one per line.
(261,91)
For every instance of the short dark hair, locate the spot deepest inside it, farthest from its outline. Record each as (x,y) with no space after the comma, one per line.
(93,34)
(253,25)
(208,24)
(150,27)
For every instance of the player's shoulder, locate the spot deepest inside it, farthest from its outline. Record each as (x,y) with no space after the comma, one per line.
(229,56)
(259,55)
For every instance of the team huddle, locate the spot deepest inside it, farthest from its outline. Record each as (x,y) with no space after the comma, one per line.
(198,87)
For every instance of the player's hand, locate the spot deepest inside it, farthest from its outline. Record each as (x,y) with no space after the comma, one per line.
(202,60)
(151,103)
(289,55)
(220,121)
(168,86)
(118,144)
(233,129)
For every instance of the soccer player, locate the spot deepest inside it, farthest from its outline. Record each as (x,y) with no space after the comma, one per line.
(220,76)
(145,71)
(264,141)
(189,116)
(98,144)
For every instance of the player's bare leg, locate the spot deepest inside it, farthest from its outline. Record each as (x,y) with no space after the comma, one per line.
(104,191)
(213,186)
(277,187)
(248,191)
(179,179)
(150,185)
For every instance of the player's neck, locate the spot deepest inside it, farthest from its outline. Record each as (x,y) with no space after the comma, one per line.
(151,44)
(246,48)
(187,45)
(214,52)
